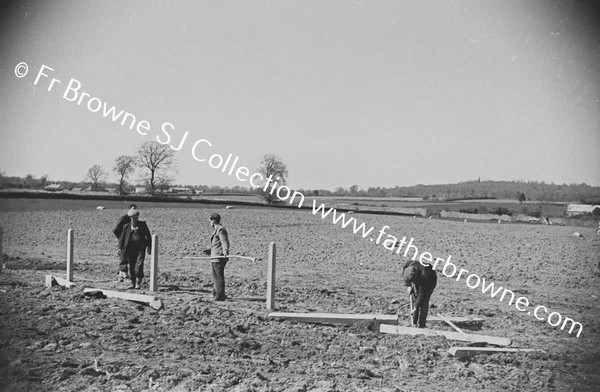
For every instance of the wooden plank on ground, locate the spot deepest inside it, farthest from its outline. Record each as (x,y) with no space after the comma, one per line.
(127,296)
(463,352)
(343,318)
(399,330)
(53,280)
(63,282)
(460,331)
(436,319)
(336,318)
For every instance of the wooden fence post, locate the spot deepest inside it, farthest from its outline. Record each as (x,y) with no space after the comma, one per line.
(271,277)
(154,264)
(1,254)
(69,255)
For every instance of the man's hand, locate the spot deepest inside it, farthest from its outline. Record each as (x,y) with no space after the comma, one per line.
(409,290)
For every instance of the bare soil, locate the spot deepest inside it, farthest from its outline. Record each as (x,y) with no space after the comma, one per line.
(59,339)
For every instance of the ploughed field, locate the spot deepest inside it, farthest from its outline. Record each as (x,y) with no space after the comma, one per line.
(57,339)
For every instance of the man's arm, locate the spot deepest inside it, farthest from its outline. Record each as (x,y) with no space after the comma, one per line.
(119,227)
(122,240)
(406,265)
(224,241)
(148,237)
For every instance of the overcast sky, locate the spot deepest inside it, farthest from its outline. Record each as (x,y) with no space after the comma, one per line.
(379,93)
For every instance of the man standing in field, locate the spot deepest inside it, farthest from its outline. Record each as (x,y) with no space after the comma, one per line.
(123,268)
(421,280)
(134,242)
(218,252)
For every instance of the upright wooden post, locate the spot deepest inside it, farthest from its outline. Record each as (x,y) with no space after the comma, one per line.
(70,255)
(154,264)
(1,254)
(271,277)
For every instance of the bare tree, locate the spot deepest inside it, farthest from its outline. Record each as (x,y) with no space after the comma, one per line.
(96,175)
(124,166)
(271,166)
(163,182)
(152,156)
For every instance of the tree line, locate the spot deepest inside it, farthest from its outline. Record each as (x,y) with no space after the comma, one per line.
(477,189)
(157,164)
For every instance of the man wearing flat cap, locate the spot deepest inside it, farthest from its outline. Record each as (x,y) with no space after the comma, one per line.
(421,280)
(134,242)
(218,252)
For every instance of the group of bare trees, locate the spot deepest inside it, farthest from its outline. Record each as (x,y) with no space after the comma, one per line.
(158,159)
(159,162)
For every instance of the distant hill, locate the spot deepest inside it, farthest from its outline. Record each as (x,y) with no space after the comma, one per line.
(539,191)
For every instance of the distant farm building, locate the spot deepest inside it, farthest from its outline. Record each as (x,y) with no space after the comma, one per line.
(54,187)
(140,189)
(581,209)
(181,191)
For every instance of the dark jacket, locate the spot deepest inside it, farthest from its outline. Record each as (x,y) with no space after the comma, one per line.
(126,234)
(119,227)
(219,243)
(425,276)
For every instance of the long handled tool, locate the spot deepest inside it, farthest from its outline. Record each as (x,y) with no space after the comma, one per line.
(410,316)
(410,299)
(208,257)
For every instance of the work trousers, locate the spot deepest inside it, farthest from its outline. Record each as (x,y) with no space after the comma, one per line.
(423,295)
(134,260)
(218,275)
(123,264)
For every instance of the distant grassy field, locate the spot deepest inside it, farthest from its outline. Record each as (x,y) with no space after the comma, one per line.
(40,204)
(8,205)
(553,209)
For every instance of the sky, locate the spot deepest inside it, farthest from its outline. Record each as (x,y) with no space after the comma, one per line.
(372,93)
